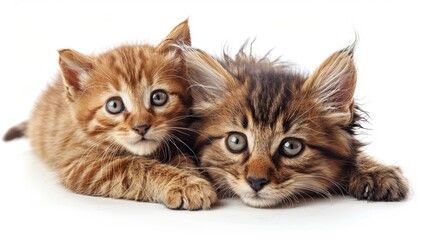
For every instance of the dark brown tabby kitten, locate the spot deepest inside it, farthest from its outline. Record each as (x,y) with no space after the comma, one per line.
(270,134)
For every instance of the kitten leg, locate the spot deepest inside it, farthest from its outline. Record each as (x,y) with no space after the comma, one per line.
(376,182)
(134,178)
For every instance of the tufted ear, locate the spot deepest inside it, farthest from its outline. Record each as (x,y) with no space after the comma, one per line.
(209,81)
(179,35)
(74,68)
(333,84)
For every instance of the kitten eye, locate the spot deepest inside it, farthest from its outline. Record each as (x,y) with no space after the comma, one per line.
(115,105)
(291,147)
(236,142)
(159,98)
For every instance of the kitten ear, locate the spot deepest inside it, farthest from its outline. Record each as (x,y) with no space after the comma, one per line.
(74,66)
(180,34)
(209,81)
(334,83)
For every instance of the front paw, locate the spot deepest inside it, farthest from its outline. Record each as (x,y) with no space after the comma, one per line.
(191,193)
(379,183)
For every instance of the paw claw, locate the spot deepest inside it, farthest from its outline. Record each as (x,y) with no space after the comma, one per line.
(381,184)
(366,193)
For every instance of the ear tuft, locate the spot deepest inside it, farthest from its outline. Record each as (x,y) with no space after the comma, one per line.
(209,81)
(334,82)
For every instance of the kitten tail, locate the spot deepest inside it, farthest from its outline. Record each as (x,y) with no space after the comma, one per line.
(17,131)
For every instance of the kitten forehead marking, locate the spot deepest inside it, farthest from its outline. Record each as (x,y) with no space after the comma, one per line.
(128,102)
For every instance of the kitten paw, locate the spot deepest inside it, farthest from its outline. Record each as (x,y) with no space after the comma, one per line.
(194,194)
(379,184)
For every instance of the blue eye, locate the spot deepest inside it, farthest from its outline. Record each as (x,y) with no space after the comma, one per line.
(236,142)
(115,105)
(291,147)
(159,98)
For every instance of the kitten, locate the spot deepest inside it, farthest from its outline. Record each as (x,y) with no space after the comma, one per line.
(114,124)
(271,135)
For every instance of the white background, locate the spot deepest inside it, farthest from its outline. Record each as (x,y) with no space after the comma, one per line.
(392,60)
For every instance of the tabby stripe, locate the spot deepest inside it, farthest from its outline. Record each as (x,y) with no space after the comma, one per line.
(329,153)
(246,157)
(207,142)
(112,170)
(75,173)
(279,101)
(274,116)
(276,159)
(139,74)
(286,126)
(89,176)
(126,184)
(92,113)
(183,100)
(244,121)
(251,107)
(120,72)
(97,130)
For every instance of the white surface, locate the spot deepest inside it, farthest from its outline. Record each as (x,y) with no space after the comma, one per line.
(392,86)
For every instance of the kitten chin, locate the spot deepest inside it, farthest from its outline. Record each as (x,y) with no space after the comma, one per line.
(260,202)
(143,147)
(262,199)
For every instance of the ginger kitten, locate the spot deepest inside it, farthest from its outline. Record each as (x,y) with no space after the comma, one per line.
(115,124)
(271,135)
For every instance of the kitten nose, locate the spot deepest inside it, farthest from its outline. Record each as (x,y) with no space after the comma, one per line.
(257,183)
(141,129)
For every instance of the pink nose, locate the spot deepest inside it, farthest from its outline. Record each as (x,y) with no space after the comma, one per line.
(141,129)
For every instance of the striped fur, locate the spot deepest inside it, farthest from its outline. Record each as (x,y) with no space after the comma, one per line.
(269,102)
(98,153)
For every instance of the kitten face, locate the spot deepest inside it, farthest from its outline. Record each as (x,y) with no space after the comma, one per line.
(133,97)
(272,135)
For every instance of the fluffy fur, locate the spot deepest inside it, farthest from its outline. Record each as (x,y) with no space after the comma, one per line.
(267,103)
(136,152)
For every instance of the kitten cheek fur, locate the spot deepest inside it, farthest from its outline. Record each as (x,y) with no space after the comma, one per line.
(268,100)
